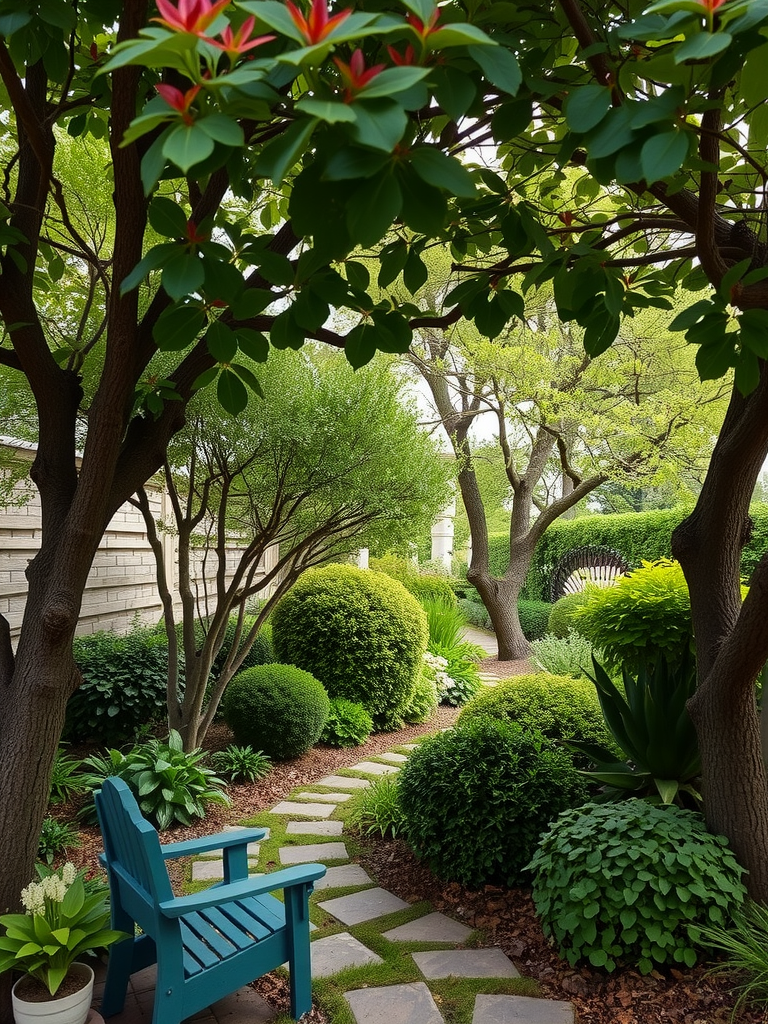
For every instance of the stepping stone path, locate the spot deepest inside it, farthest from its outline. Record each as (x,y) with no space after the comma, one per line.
(388,1004)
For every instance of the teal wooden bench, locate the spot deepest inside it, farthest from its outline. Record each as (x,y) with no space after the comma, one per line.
(208,944)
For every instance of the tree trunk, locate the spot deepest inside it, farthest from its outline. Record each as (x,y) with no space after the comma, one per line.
(500,598)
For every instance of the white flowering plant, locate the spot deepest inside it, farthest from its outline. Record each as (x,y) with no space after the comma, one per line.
(62,921)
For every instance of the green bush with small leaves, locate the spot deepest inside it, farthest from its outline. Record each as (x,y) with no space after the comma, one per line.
(376,810)
(279,709)
(475,613)
(56,837)
(348,724)
(125,678)
(562,615)
(241,764)
(425,586)
(424,700)
(476,798)
(570,655)
(560,707)
(534,617)
(359,632)
(631,883)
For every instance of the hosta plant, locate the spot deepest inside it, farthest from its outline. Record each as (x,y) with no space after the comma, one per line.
(632,884)
(170,784)
(650,723)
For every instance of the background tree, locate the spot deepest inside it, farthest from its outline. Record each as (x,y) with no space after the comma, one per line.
(329,461)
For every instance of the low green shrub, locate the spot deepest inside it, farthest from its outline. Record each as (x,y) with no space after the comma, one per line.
(644,612)
(279,709)
(534,617)
(359,632)
(64,783)
(56,837)
(446,640)
(475,613)
(348,724)
(376,810)
(563,656)
(562,614)
(560,707)
(171,785)
(424,585)
(124,685)
(241,764)
(629,883)
(476,798)
(423,701)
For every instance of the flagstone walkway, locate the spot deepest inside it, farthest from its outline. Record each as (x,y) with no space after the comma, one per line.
(414,1003)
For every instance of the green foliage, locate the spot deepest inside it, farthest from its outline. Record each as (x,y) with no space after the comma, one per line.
(425,586)
(376,810)
(562,614)
(170,785)
(360,632)
(56,837)
(651,726)
(744,941)
(630,883)
(348,724)
(476,798)
(241,764)
(123,688)
(261,652)
(534,618)
(563,656)
(646,611)
(278,708)
(424,699)
(64,782)
(475,613)
(446,640)
(560,707)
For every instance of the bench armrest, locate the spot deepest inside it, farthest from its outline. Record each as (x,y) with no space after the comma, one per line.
(218,841)
(255,885)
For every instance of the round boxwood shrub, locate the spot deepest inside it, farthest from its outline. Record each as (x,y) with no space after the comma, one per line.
(475,799)
(359,632)
(348,724)
(630,882)
(279,709)
(534,616)
(561,615)
(561,707)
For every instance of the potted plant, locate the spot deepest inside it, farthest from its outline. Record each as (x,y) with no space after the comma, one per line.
(62,921)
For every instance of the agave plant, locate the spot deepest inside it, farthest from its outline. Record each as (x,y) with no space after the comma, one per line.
(651,726)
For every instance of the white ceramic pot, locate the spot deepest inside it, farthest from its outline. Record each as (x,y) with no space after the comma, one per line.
(71,1009)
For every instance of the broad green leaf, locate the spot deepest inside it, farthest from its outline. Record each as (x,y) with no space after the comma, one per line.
(691,315)
(176,328)
(612,134)
(252,302)
(415,273)
(423,9)
(373,208)
(231,393)
(285,332)
(460,33)
(187,145)
(586,107)
(392,81)
(279,156)
(248,376)
(167,217)
(663,155)
(205,378)
(253,344)
(221,341)
(716,358)
(455,91)
(424,207)
(309,310)
(153,162)
(511,119)
(703,45)
(12,22)
(392,260)
(499,66)
(155,258)
(331,111)
(747,375)
(357,274)
(441,170)
(354,162)
(183,275)
(221,129)
(379,123)
(360,345)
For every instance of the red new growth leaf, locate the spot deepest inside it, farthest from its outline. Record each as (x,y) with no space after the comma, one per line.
(402,59)
(355,75)
(319,24)
(192,234)
(711,5)
(190,16)
(179,100)
(422,29)
(234,43)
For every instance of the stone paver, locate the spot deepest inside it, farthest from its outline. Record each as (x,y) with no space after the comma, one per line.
(325,798)
(343,782)
(521,1010)
(344,875)
(207,870)
(433,927)
(310,810)
(314,828)
(374,768)
(394,1004)
(253,848)
(465,963)
(335,952)
(393,757)
(364,906)
(313,852)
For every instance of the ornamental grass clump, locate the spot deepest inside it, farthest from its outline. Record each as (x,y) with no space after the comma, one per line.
(632,884)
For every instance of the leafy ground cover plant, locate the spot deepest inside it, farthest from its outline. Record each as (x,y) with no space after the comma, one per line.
(631,884)
(348,724)
(744,942)
(56,837)
(376,810)
(170,784)
(278,708)
(241,764)
(476,798)
(64,783)
(446,640)
(570,655)
(651,726)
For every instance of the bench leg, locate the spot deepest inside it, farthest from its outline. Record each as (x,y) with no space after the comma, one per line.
(297,923)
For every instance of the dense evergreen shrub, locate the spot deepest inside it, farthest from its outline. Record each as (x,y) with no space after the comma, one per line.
(424,586)
(562,615)
(475,799)
(424,699)
(360,632)
(348,724)
(279,709)
(125,677)
(475,613)
(560,707)
(534,617)
(629,883)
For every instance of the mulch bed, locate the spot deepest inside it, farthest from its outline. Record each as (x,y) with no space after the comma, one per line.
(505,915)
